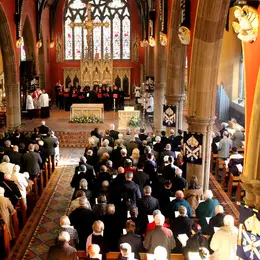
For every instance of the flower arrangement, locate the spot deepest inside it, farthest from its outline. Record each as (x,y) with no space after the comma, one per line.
(134,121)
(87,119)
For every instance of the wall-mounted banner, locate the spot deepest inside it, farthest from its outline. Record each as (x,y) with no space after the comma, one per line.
(192,147)
(248,244)
(169,116)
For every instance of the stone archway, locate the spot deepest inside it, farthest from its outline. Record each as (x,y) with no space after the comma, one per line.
(41,64)
(13,112)
(29,42)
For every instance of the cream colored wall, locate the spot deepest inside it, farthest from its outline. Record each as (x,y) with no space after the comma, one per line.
(228,72)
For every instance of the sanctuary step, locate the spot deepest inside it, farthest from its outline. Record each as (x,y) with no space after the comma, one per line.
(73,139)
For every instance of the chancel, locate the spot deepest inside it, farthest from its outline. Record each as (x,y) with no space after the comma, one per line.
(129,129)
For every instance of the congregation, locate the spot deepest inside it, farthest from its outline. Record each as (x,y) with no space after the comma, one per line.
(131,195)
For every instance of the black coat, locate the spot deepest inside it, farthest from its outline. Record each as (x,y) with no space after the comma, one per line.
(179,183)
(135,241)
(168,172)
(82,219)
(216,221)
(43,129)
(150,167)
(31,163)
(15,158)
(141,178)
(114,134)
(63,251)
(130,192)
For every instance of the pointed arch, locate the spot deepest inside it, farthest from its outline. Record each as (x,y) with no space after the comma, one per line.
(13,115)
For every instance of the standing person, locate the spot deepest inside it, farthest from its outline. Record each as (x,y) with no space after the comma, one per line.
(81,94)
(160,236)
(225,144)
(60,98)
(106,99)
(66,96)
(74,96)
(137,93)
(44,104)
(57,89)
(30,106)
(32,162)
(224,241)
(121,99)
(36,94)
(100,95)
(150,107)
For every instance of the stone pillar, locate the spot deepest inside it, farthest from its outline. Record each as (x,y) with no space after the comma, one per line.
(151,67)
(146,61)
(206,48)
(251,174)
(175,66)
(42,81)
(13,108)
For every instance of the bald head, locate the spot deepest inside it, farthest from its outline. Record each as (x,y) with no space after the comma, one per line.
(179,194)
(120,170)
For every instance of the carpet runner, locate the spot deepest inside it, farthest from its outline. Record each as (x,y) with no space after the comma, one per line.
(41,228)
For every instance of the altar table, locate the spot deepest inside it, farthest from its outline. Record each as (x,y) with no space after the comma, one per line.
(79,110)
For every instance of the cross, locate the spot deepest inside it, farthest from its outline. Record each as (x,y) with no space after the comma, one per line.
(89,25)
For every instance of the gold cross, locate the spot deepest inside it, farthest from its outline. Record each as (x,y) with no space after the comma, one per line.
(89,25)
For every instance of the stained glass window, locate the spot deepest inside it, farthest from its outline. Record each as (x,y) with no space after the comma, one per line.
(23,52)
(113,41)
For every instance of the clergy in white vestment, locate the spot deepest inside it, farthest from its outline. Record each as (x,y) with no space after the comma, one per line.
(44,104)
(30,106)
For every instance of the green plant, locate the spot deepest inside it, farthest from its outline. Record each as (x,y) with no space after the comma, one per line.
(87,120)
(134,121)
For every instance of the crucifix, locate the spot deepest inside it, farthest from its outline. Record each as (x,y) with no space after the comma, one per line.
(89,25)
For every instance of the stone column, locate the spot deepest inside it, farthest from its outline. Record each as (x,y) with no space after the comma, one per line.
(175,66)
(251,174)
(42,81)
(151,55)
(207,42)
(13,108)
(146,61)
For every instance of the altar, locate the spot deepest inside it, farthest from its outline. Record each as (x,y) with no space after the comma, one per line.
(125,115)
(88,110)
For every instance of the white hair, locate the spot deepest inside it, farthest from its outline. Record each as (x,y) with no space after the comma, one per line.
(123,151)
(208,194)
(120,136)
(160,253)
(172,131)
(159,219)
(168,147)
(157,139)
(64,236)
(2,191)
(43,122)
(219,209)
(105,143)
(178,171)
(228,221)
(6,159)
(165,158)
(112,127)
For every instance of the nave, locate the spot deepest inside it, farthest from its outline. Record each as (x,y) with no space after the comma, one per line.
(41,228)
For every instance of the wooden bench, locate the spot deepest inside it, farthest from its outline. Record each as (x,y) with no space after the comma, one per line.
(213,162)
(232,182)
(22,207)
(16,224)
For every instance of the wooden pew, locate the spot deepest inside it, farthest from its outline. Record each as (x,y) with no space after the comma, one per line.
(15,224)
(46,174)
(22,207)
(35,190)
(232,182)
(6,238)
(40,182)
(213,162)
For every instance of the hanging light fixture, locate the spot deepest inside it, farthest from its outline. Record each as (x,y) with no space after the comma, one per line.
(152,42)
(163,39)
(39,44)
(19,42)
(52,44)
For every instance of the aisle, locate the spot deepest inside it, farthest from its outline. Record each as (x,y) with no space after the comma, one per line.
(41,229)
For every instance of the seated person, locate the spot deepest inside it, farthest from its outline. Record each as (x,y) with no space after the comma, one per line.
(234,160)
(6,212)
(93,252)
(65,226)
(75,203)
(62,250)
(217,220)
(135,241)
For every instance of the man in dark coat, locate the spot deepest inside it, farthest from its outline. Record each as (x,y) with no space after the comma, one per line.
(216,221)
(43,129)
(15,156)
(181,225)
(113,133)
(62,250)
(82,219)
(50,142)
(141,178)
(146,206)
(168,171)
(142,135)
(150,166)
(178,183)
(32,162)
